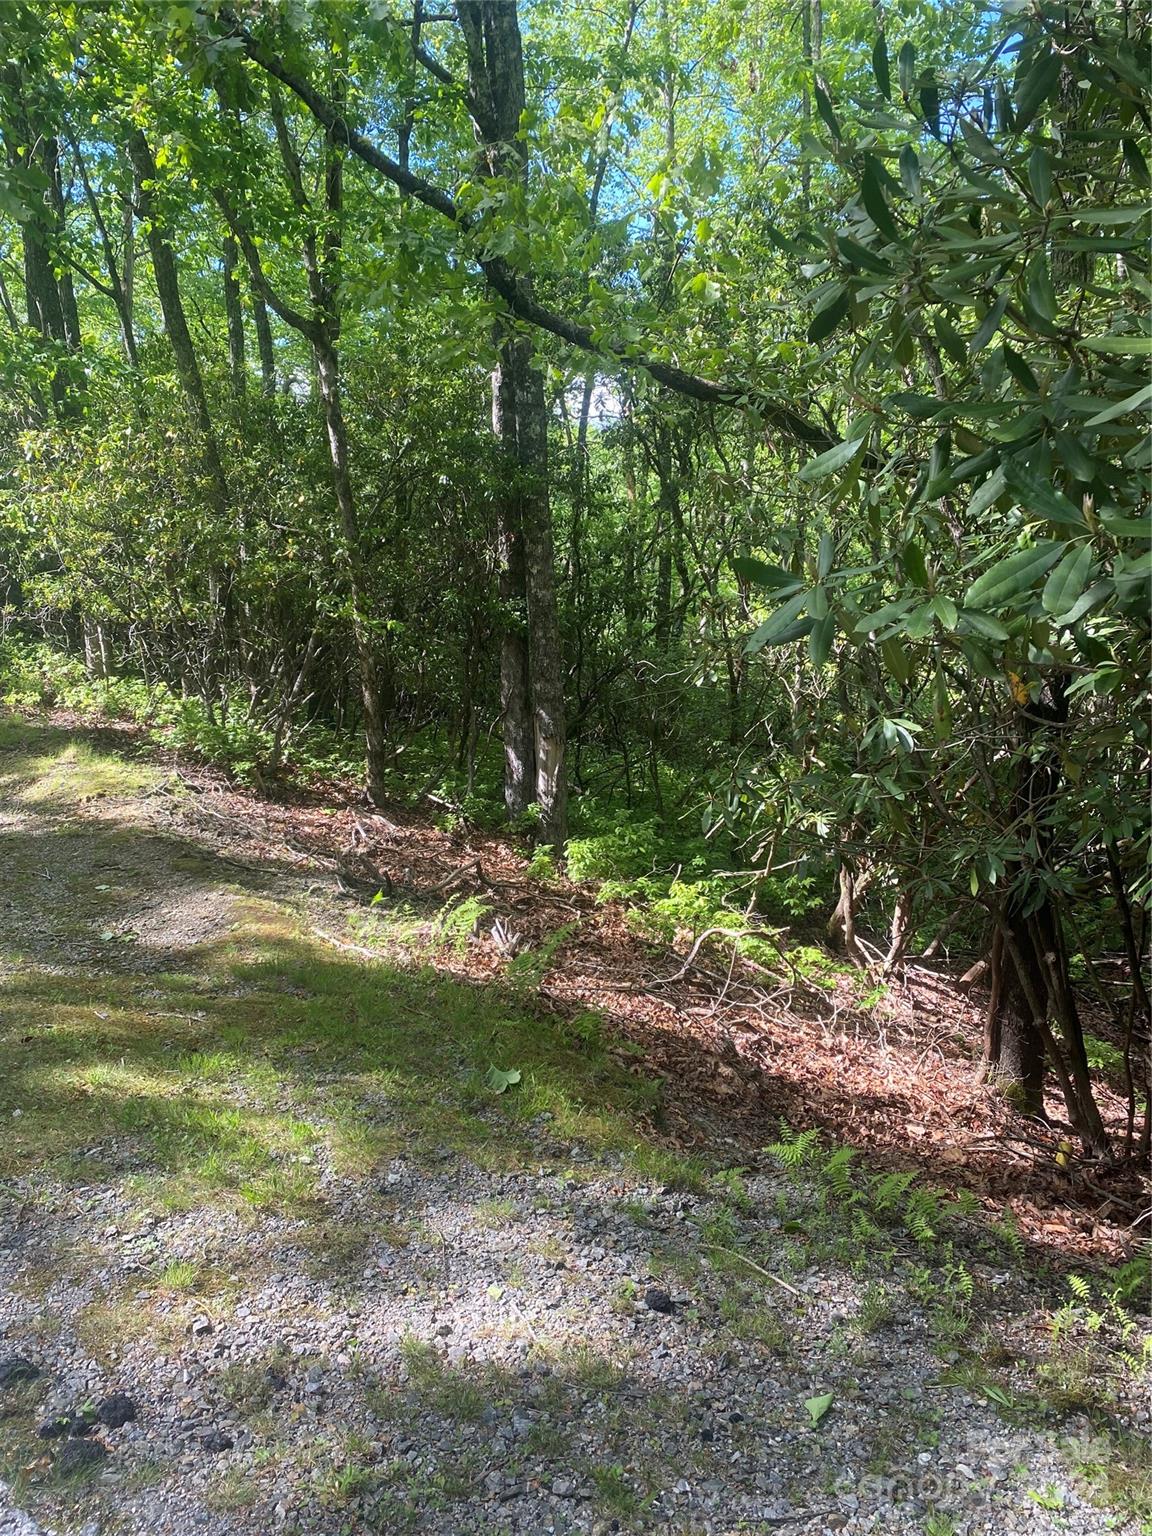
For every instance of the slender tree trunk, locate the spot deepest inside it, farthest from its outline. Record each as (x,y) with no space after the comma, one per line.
(175,321)
(129,282)
(533,671)
(119,283)
(263,328)
(515,693)
(1035,987)
(1014,1042)
(322,329)
(376,749)
(69,314)
(234,315)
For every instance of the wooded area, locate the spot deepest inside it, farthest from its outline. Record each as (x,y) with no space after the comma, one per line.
(718,431)
(574,767)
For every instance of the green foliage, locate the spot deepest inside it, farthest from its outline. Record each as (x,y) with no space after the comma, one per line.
(459,921)
(623,851)
(527,970)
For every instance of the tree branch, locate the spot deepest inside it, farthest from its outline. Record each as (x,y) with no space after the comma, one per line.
(505,281)
(294,317)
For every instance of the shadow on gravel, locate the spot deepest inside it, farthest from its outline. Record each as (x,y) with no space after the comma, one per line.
(377,1131)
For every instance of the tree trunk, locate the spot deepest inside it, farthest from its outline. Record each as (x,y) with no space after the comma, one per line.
(531,667)
(515,692)
(1013,1042)
(119,287)
(175,321)
(322,329)
(69,314)
(376,749)
(1035,987)
(234,314)
(263,328)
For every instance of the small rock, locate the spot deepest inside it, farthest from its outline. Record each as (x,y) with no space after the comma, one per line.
(216,1440)
(657,1300)
(202,1326)
(14,1369)
(563,1487)
(55,1429)
(116,1410)
(77,1456)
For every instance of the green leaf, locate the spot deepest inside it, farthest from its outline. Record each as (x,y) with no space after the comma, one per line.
(858,255)
(918,624)
(1020,370)
(500,1081)
(825,555)
(1135,161)
(1126,346)
(930,106)
(945,610)
(1103,217)
(832,459)
(906,65)
(829,315)
(1089,599)
(880,66)
(824,108)
(910,171)
(984,624)
(884,616)
(1040,175)
(1035,81)
(988,327)
(896,659)
(1122,407)
(1075,458)
(915,564)
(920,407)
(818,1406)
(748,568)
(820,639)
(1040,498)
(776,623)
(875,206)
(1067,580)
(1126,527)
(1011,577)
(1041,293)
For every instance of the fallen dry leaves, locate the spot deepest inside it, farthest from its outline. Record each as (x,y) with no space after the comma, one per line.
(738,1051)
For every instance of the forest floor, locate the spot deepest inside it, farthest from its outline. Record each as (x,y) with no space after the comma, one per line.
(451,1210)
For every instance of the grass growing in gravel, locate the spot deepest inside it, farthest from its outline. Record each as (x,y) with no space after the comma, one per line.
(242,1072)
(236,1076)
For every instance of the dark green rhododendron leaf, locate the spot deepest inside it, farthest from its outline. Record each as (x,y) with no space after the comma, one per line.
(1010,578)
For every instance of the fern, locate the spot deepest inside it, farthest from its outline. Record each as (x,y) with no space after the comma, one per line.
(921,1216)
(958,1279)
(1080,1288)
(459,922)
(889,1191)
(795,1149)
(839,1174)
(1008,1230)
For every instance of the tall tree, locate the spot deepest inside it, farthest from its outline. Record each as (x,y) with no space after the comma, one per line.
(531,665)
